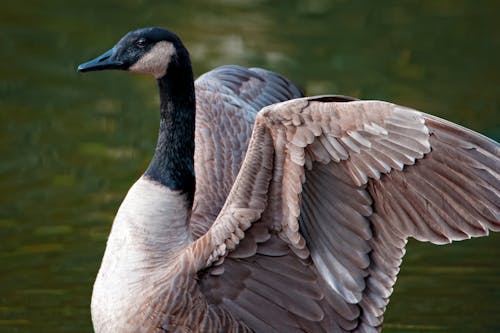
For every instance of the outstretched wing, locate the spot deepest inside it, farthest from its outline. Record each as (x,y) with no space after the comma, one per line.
(326,198)
(227,101)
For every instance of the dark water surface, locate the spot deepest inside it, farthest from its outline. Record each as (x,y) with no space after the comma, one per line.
(72,144)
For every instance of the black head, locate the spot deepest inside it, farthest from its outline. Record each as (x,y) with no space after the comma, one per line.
(146,50)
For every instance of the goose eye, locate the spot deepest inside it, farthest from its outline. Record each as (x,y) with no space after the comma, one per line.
(141,43)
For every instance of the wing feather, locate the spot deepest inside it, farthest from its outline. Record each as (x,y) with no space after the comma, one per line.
(339,187)
(227,101)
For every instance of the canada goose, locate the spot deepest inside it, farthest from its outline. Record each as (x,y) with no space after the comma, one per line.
(308,235)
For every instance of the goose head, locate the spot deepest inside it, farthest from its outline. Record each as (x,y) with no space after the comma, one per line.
(147,50)
(159,52)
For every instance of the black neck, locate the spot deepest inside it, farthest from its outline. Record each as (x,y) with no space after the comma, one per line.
(173,162)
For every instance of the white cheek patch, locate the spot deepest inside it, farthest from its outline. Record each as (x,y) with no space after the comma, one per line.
(156,61)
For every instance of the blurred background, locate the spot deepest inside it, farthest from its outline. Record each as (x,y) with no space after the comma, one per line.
(72,144)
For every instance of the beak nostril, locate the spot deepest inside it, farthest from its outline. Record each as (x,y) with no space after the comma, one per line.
(103,58)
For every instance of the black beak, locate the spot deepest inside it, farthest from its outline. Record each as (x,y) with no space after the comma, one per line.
(104,61)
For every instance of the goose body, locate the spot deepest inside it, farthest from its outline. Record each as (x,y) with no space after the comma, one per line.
(264,211)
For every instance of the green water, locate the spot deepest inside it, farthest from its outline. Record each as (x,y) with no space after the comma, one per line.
(72,144)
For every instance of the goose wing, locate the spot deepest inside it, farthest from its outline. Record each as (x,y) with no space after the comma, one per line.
(313,232)
(227,101)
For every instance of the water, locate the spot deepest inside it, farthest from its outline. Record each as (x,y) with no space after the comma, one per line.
(72,144)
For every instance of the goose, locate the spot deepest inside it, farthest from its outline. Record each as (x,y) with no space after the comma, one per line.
(266,211)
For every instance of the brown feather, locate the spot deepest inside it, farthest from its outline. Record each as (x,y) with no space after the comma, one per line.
(376,175)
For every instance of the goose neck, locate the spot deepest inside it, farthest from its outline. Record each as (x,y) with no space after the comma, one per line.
(173,162)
